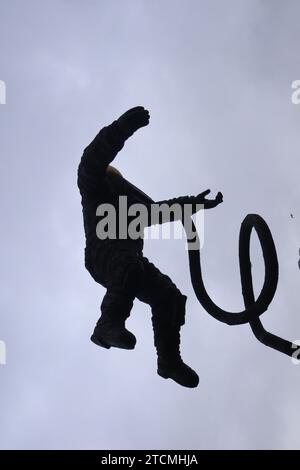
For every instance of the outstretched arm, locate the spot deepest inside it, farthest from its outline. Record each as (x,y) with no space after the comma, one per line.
(194,202)
(105,146)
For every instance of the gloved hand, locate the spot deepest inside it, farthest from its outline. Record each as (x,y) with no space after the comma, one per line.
(192,201)
(208,203)
(132,120)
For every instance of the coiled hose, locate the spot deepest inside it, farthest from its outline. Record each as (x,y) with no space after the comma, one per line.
(253,308)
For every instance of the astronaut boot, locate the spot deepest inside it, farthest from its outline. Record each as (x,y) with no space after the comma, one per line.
(167,342)
(110,329)
(169,362)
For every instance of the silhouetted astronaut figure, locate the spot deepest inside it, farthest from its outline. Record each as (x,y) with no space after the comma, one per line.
(119,264)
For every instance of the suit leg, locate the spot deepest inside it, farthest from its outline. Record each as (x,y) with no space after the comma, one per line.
(122,276)
(161,293)
(168,315)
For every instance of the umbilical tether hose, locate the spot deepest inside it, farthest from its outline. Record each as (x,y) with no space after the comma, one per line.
(253,308)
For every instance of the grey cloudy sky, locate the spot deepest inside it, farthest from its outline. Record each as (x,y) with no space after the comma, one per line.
(216,77)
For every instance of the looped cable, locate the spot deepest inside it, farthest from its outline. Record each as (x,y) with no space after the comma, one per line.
(253,308)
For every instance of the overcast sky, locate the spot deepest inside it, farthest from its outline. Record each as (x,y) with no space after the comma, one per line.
(216,77)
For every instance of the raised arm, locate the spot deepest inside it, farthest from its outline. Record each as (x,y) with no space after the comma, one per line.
(105,146)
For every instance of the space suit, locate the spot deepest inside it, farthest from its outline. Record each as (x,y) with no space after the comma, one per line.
(119,264)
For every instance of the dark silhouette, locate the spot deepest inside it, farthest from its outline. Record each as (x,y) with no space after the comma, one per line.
(254,308)
(119,264)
